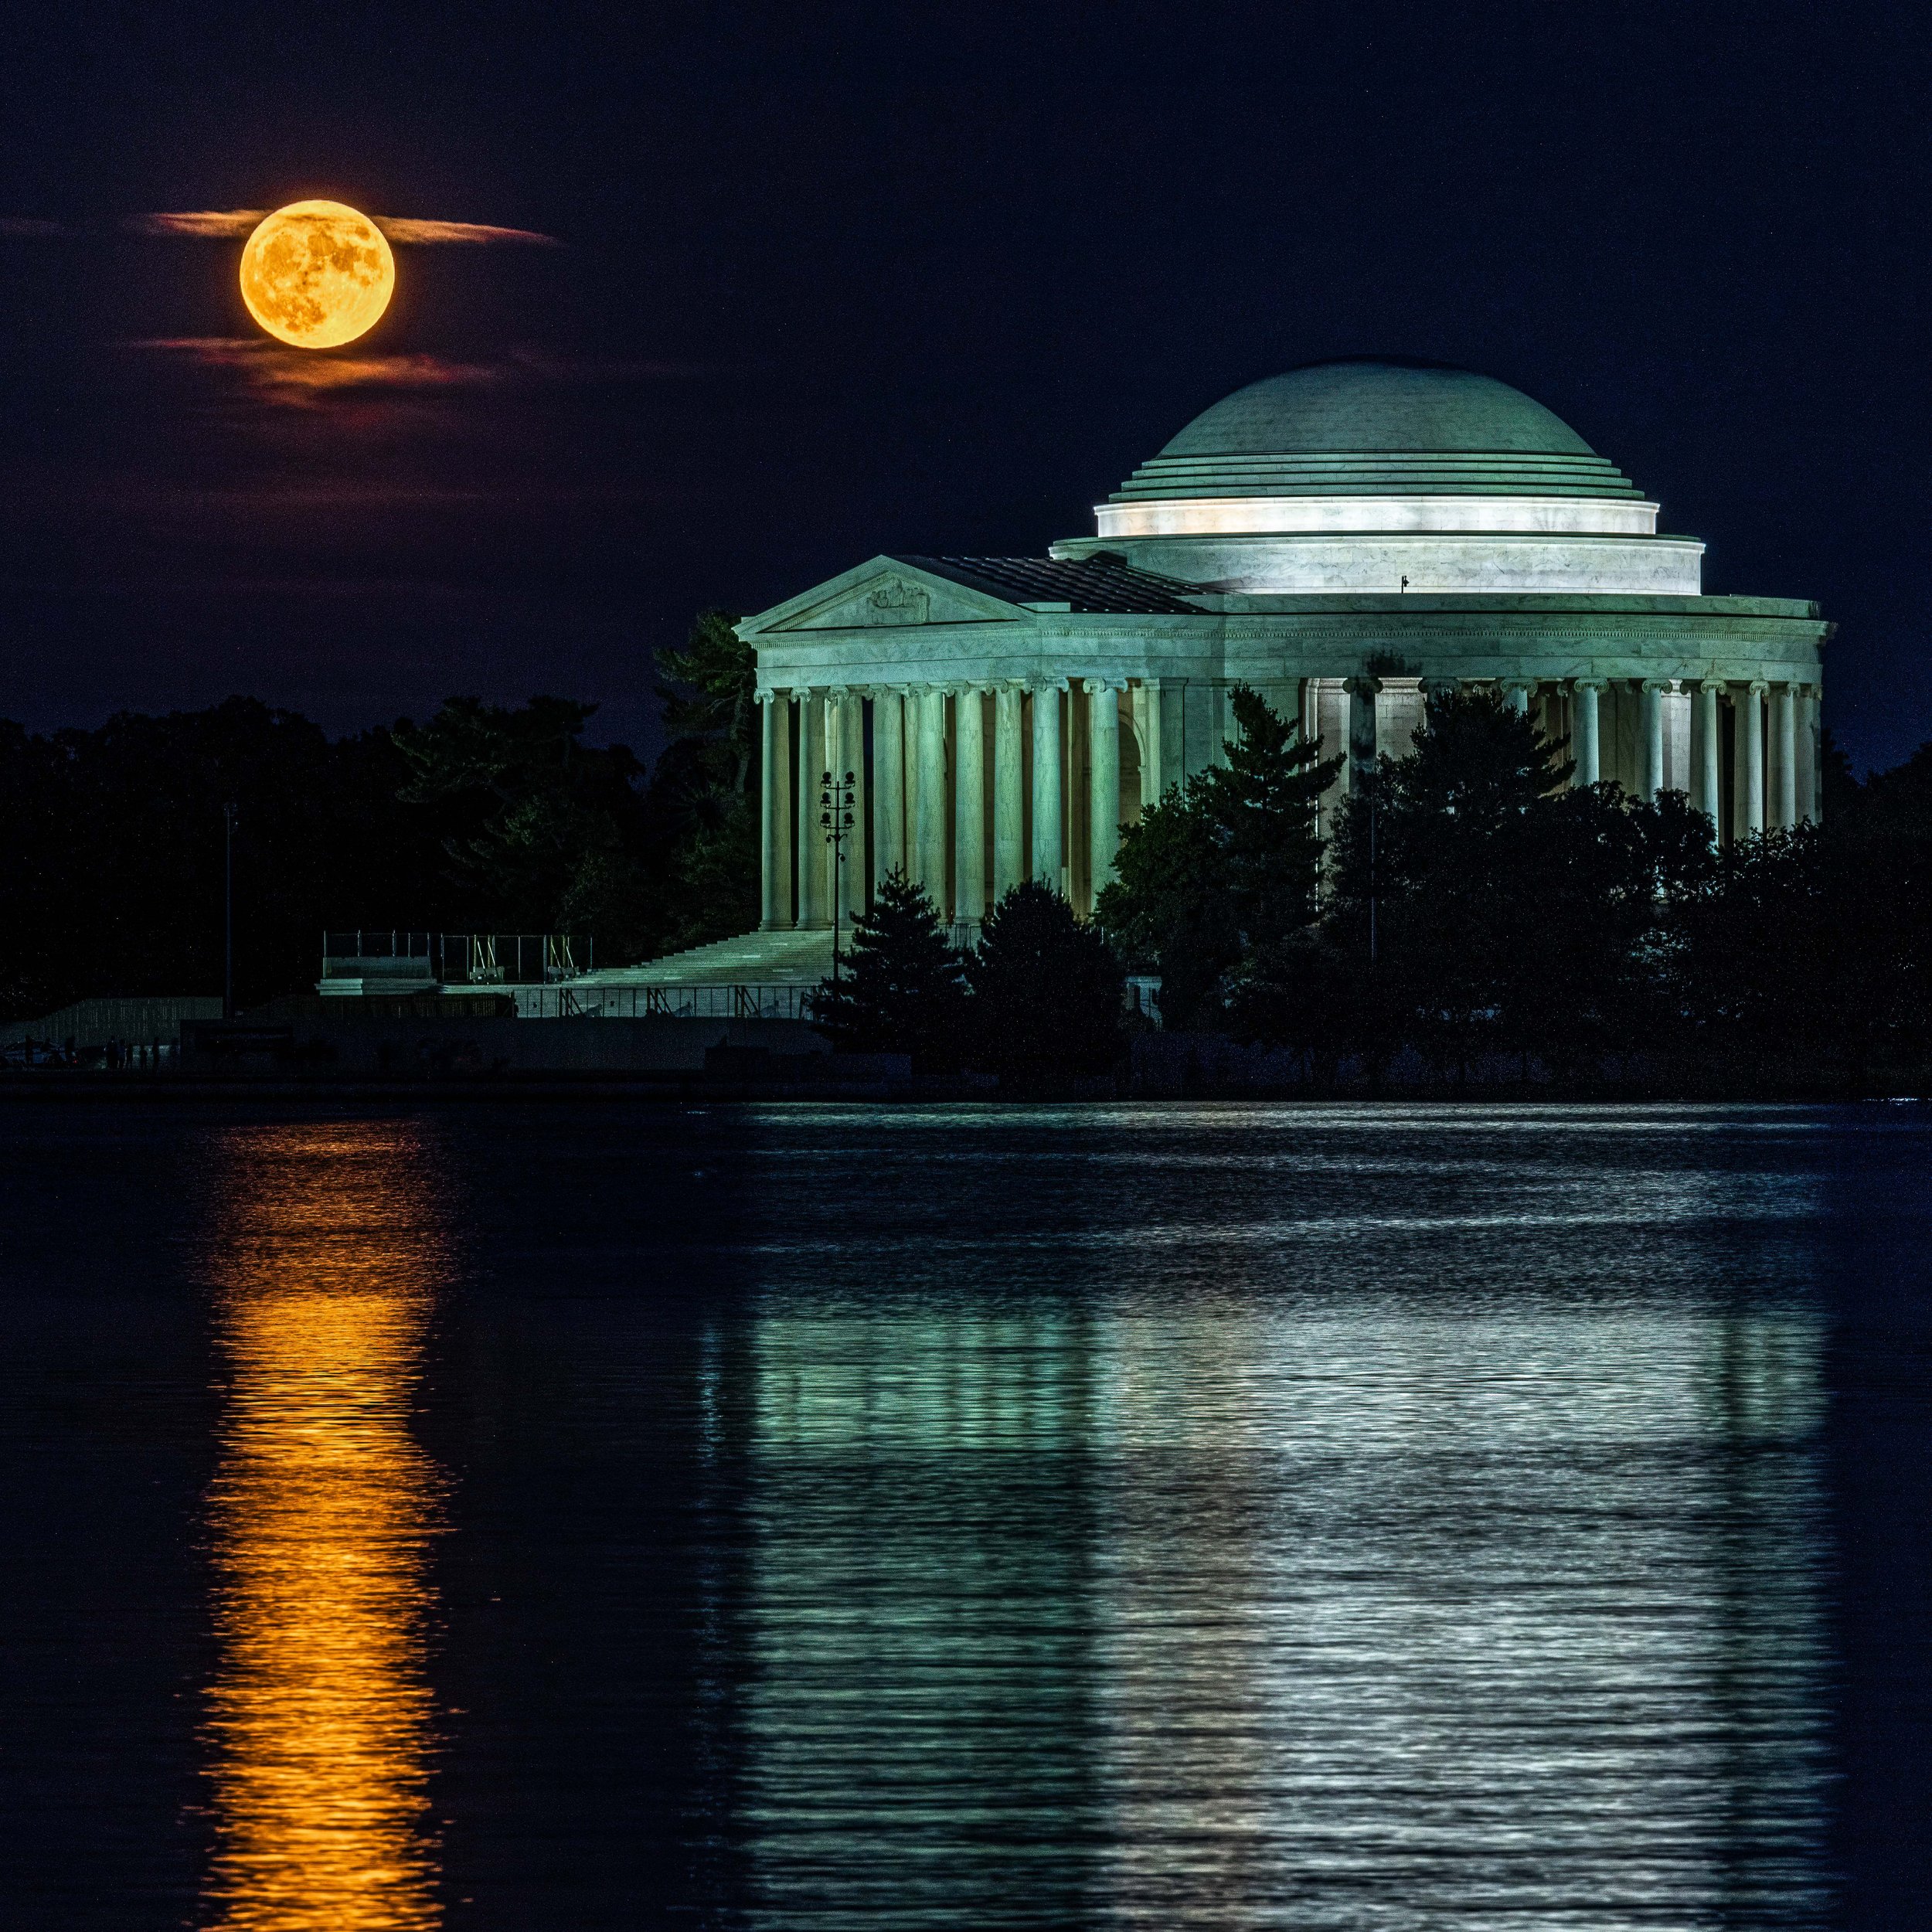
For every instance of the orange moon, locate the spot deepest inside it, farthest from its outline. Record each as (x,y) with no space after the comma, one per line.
(316,274)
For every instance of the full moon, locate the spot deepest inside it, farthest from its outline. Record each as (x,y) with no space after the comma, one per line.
(316,274)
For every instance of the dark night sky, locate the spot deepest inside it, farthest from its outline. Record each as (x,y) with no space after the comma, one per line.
(837,281)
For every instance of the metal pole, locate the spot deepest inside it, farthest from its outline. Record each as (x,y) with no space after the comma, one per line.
(1372,872)
(838,873)
(835,816)
(228,913)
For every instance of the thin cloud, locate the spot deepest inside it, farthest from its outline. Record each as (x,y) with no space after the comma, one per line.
(461,234)
(301,378)
(205,224)
(27,228)
(225,224)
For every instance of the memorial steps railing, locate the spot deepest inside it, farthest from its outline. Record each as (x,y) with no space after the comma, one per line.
(665,1002)
(482,960)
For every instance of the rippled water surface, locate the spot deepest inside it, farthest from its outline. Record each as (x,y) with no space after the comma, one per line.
(531,1517)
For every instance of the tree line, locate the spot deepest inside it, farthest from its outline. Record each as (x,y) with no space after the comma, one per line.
(1469,908)
(1465,905)
(1473,908)
(484,818)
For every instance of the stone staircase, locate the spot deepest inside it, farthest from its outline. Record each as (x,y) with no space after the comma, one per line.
(787,957)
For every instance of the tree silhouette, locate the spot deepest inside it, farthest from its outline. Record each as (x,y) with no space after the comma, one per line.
(111,853)
(1510,915)
(1049,995)
(1226,863)
(551,831)
(901,989)
(705,792)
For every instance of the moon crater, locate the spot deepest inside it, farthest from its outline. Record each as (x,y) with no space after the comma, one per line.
(316,274)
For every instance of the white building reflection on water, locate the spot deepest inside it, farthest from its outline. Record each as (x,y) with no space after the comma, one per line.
(329,1248)
(1387,1606)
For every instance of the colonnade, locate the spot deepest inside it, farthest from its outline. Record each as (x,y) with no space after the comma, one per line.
(929,815)
(967,805)
(1774,759)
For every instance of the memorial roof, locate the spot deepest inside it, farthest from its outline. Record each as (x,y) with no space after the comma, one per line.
(1369,426)
(1092,584)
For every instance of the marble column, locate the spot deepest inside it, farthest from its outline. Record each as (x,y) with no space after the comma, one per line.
(1009,790)
(774,802)
(1650,750)
(1103,766)
(888,784)
(929,831)
(1784,722)
(1148,704)
(1750,720)
(1706,761)
(814,861)
(1222,710)
(1311,723)
(1362,728)
(1046,784)
(1516,698)
(969,811)
(1808,757)
(1585,747)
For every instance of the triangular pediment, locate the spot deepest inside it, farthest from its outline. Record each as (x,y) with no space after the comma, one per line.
(884,594)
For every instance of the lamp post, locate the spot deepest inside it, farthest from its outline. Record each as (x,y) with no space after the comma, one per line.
(837,801)
(228,913)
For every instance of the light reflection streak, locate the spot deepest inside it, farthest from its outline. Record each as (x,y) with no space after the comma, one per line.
(1520,1613)
(922,1680)
(1287,1609)
(329,1248)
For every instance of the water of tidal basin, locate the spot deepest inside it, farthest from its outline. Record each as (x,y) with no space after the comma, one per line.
(531,1517)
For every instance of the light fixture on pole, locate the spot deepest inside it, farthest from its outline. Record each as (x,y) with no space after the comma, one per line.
(837,815)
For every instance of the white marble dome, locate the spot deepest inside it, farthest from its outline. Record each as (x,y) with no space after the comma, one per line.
(1375,475)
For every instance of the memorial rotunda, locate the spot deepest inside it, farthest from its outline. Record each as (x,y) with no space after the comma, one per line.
(1346,538)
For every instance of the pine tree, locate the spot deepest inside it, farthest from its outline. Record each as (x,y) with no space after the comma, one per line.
(1511,915)
(1477,775)
(1261,802)
(1226,863)
(1460,846)
(1049,995)
(899,989)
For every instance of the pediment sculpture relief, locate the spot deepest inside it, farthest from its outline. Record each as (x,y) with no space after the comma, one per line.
(895,602)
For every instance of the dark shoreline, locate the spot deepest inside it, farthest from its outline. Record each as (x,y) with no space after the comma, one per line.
(188,1089)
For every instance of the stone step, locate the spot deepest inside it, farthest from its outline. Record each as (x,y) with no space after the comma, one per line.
(751,959)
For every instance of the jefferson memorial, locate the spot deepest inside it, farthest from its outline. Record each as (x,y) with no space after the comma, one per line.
(1347,538)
